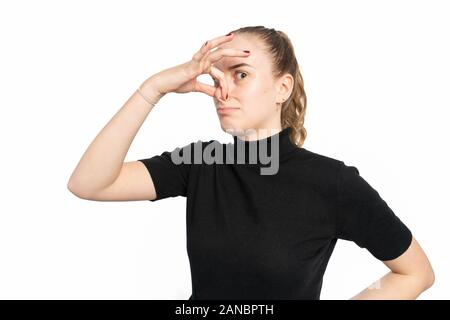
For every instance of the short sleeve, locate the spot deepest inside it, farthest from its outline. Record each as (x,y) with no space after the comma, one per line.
(364,217)
(170,172)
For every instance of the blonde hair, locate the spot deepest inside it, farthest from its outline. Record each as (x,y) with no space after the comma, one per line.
(280,48)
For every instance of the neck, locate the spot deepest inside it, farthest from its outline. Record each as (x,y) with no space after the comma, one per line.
(257,134)
(274,145)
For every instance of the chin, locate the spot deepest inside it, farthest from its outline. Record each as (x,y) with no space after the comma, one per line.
(233,129)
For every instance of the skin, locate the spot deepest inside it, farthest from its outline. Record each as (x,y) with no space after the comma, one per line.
(258,95)
(411,274)
(251,89)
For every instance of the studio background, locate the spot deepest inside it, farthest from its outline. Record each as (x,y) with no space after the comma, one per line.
(377,81)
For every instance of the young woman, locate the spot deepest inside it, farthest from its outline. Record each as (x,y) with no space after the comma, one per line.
(252,235)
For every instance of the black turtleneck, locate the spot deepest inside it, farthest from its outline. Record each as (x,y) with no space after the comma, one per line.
(255,236)
(280,143)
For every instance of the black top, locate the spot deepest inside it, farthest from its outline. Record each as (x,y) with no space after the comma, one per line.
(254,236)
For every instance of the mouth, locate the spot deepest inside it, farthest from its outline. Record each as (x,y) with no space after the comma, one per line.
(225,110)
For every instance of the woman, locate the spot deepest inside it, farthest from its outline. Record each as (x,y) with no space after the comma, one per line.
(252,235)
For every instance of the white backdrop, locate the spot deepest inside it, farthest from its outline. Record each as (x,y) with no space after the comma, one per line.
(377,80)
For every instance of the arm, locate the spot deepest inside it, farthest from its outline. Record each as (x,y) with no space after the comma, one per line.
(410,275)
(102,162)
(101,173)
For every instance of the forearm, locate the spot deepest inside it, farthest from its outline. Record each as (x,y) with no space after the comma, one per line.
(101,163)
(393,286)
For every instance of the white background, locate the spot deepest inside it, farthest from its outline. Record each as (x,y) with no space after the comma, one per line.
(377,80)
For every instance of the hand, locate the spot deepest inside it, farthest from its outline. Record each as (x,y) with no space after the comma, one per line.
(183,78)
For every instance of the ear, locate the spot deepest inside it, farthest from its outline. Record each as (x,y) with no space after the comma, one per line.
(285,85)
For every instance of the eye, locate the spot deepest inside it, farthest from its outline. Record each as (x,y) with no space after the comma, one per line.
(241,73)
(216,82)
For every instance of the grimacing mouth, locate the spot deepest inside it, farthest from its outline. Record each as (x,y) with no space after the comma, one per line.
(226,107)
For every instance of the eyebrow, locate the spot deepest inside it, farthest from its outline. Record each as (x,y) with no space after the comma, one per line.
(240,65)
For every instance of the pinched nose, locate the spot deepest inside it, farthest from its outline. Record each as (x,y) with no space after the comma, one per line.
(218,95)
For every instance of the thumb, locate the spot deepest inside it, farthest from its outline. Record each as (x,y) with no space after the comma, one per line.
(205,88)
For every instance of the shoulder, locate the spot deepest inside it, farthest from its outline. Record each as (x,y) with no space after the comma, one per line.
(319,160)
(331,168)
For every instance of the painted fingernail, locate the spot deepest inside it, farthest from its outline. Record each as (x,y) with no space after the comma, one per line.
(229,34)
(206,43)
(226,97)
(246,51)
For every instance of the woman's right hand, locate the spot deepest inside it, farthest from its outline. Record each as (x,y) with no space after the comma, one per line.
(183,78)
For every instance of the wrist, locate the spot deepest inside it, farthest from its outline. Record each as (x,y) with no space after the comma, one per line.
(152,84)
(150,91)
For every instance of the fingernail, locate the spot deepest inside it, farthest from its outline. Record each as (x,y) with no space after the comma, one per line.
(246,51)
(206,43)
(226,97)
(229,34)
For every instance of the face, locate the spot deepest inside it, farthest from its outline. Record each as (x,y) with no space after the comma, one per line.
(252,89)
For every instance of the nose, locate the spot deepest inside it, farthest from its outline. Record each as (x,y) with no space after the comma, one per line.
(219,96)
(218,93)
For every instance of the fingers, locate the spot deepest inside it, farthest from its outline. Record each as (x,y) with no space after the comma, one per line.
(205,88)
(230,52)
(217,74)
(205,58)
(218,77)
(207,46)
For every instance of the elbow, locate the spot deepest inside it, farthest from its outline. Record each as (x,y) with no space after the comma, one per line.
(71,187)
(76,191)
(426,278)
(429,279)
